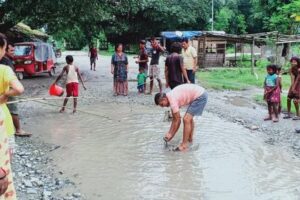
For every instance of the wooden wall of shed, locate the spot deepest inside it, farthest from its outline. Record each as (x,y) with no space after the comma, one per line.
(211,51)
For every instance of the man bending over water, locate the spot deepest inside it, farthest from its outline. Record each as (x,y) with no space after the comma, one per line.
(193,96)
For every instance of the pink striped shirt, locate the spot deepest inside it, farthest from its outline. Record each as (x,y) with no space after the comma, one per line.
(183,95)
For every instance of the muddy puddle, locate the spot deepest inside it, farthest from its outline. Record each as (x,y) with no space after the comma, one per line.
(238,101)
(122,156)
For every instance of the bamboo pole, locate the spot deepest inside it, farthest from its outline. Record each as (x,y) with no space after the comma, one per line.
(23,100)
(252,56)
(276,49)
(235,49)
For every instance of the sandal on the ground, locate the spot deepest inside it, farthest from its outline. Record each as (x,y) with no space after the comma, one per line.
(287,117)
(267,118)
(275,120)
(296,118)
(297,130)
(23,134)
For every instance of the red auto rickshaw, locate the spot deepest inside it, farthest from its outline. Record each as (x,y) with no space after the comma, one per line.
(32,58)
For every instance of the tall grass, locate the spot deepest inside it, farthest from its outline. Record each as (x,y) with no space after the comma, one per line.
(236,78)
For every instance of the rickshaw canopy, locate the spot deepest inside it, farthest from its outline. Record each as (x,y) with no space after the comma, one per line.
(43,51)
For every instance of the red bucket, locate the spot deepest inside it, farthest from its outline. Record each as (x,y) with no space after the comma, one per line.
(55,90)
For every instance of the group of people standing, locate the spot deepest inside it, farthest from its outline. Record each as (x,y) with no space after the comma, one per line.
(180,69)
(180,66)
(273,90)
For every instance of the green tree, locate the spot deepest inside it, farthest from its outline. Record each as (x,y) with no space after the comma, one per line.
(230,19)
(126,20)
(223,19)
(283,19)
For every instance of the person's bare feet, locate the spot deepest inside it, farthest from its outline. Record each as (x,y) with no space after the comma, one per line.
(181,148)
(22,133)
(62,110)
(268,118)
(275,120)
(287,116)
(168,137)
(74,111)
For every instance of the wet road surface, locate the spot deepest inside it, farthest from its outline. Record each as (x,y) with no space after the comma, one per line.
(122,155)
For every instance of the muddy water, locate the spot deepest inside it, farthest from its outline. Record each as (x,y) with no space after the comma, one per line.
(123,157)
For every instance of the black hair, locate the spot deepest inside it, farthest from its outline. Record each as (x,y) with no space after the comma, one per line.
(153,38)
(278,68)
(3,40)
(158,97)
(117,46)
(186,40)
(69,59)
(9,43)
(273,67)
(142,42)
(176,48)
(297,60)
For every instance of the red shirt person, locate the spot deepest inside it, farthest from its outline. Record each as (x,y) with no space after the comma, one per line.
(93,54)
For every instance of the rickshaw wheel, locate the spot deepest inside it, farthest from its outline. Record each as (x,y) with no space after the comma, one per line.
(51,72)
(20,75)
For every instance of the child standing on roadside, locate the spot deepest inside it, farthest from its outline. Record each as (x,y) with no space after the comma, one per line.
(293,94)
(72,82)
(272,93)
(141,80)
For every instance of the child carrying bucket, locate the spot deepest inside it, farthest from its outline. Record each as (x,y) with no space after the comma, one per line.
(72,82)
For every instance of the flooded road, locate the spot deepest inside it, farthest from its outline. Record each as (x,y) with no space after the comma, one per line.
(122,156)
(114,149)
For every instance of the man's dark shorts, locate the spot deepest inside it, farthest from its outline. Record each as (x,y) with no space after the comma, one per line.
(292,95)
(13,108)
(93,60)
(197,106)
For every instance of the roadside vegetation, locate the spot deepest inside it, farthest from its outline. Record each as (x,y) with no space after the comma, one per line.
(238,78)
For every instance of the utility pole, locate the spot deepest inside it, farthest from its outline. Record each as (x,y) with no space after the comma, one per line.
(212,15)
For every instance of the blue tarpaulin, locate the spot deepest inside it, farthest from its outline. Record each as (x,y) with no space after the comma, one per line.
(175,35)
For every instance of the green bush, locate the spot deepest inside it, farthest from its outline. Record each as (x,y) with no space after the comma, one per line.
(262,63)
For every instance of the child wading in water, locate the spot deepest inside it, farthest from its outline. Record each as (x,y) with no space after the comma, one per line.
(272,92)
(141,80)
(72,82)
